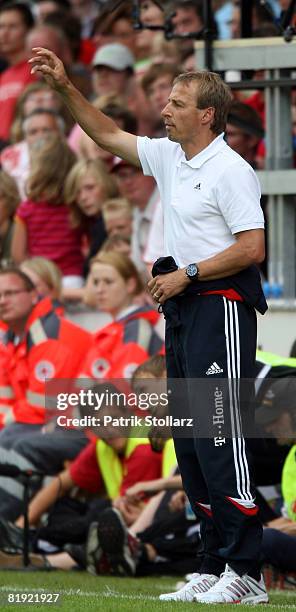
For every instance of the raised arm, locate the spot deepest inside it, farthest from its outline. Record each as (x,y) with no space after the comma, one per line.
(98,126)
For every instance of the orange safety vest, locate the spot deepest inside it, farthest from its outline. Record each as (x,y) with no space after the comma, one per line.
(53,304)
(51,348)
(123,345)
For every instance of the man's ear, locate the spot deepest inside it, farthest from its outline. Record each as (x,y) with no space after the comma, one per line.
(208,115)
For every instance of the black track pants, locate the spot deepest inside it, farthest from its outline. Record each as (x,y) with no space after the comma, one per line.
(210,337)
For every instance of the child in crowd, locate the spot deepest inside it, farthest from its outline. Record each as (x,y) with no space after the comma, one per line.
(87,186)
(117,243)
(42,221)
(118,217)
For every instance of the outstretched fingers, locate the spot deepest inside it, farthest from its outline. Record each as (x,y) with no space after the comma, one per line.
(44,52)
(42,68)
(43,58)
(50,66)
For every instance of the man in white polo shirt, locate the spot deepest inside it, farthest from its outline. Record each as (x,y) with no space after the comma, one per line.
(208,286)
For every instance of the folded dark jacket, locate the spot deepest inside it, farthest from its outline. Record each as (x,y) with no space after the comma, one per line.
(247,283)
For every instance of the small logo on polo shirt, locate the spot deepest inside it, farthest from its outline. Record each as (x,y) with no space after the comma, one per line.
(197,186)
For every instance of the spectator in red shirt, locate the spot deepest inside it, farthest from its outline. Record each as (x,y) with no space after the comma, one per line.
(16,20)
(85,472)
(42,221)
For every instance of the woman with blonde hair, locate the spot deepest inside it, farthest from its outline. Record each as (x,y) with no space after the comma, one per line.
(47,279)
(42,221)
(87,186)
(131,337)
(45,275)
(9,201)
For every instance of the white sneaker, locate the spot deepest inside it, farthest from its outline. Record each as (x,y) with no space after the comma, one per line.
(199,583)
(234,589)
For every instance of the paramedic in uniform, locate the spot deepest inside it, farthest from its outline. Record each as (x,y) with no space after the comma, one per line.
(214,230)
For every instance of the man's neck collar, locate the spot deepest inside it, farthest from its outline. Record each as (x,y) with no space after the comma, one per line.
(192,150)
(206,153)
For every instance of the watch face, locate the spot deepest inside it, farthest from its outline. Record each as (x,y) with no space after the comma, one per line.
(191,270)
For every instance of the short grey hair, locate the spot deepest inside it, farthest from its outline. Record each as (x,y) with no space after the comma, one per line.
(44,111)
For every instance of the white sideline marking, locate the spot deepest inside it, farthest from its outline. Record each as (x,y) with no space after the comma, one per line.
(110,593)
(107,593)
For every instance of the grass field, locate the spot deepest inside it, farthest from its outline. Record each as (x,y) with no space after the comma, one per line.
(80,591)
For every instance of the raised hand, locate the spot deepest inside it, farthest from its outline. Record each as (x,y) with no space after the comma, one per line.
(50,66)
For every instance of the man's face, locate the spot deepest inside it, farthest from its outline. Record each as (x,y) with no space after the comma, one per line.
(134,186)
(12,32)
(159,92)
(43,36)
(186,20)
(181,117)
(16,302)
(106,81)
(44,98)
(40,126)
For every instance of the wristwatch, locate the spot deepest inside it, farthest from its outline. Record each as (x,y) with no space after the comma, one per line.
(192,272)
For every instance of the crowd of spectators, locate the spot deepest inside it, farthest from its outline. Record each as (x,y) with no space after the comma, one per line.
(78,225)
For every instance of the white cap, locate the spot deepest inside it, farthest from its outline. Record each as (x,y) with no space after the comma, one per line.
(115,55)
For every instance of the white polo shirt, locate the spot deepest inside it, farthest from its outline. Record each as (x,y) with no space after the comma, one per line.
(206,200)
